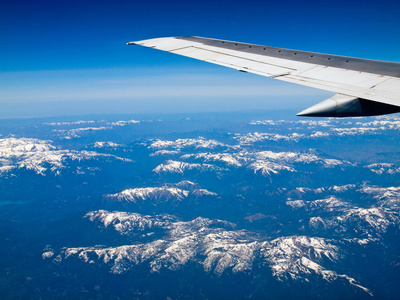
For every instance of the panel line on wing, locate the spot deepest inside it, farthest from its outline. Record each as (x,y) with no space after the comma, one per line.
(240,68)
(233,61)
(248,59)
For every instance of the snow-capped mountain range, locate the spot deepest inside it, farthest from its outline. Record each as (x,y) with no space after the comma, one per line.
(161,194)
(199,142)
(346,220)
(172,166)
(264,162)
(40,155)
(267,205)
(214,244)
(77,132)
(332,127)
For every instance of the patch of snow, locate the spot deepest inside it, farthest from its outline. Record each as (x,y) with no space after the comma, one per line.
(383,168)
(172,166)
(106,145)
(150,193)
(165,152)
(124,123)
(199,142)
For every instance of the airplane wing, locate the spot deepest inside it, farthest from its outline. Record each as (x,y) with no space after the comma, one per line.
(364,87)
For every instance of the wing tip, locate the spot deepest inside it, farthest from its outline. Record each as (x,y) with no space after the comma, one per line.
(144,42)
(169,37)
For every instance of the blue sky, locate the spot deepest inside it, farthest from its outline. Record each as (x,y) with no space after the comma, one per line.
(70,57)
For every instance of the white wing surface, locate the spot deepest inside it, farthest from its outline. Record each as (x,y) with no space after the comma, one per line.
(364,87)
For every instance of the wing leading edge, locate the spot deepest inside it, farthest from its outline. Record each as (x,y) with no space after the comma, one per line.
(364,87)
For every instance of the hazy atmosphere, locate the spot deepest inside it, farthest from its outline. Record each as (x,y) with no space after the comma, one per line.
(70,57)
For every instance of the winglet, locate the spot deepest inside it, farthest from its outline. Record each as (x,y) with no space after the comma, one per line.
(131,43)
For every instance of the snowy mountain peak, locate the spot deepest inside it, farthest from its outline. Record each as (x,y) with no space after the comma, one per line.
(177,192)
(152,193)
(172,166)
(199,142)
